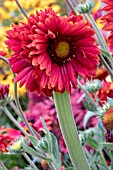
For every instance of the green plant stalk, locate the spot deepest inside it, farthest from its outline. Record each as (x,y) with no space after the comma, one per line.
(69,131)
(22,10)
(14,121)
(87,94)
(103,161)
(100,36)
(107,67)
(69,3)
(20,112)
(30,161)
(3,166)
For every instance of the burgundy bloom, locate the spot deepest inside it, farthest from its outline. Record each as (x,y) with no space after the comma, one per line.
(50,51)
(4,91)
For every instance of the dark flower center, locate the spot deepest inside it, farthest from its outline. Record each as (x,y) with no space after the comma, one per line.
(60,50)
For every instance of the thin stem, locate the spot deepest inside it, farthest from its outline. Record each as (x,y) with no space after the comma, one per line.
(22,117)
(96,98)
(107,67)
(21,112)
(69,131)
(69,3)
(4,59)
(22,10)
(87,94)
(17,101)
(103,161)
(3,166)
(100,36)
(14,121)
(30,161)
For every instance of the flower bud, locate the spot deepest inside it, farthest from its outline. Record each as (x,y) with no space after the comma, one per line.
(86,7)
(93,86)
(4,92)
(16,146)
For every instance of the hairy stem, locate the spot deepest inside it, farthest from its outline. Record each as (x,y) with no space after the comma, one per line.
(69,131)
(30,161)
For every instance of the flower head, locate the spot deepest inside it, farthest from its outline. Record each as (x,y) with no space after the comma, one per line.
(50,51)
(4,91)
(108,119)
(7,135)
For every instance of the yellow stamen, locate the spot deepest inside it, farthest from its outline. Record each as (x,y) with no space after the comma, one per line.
(62,49)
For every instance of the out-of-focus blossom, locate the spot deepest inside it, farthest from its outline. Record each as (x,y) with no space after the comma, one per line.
(7,135)
(4,91)
(7,77)
(52,51)
(109,5)
(105,91)
(101,74)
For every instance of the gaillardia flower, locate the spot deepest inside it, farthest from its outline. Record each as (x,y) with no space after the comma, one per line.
(50,51)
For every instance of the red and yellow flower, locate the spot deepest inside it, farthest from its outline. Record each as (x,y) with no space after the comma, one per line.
(50,51)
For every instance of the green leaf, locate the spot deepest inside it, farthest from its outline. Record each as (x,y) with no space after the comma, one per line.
(89,106)
(49,138)
(88,115)
(56,153)
(111,165)
(70,168)
(33,140)
(32,152)
(92,142)
(101,167)
(105,53)
(107,145)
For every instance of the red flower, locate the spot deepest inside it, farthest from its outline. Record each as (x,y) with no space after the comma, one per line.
(3,53)
(50,51)
(109,5)
(105,91)
(7,135)
(4,91)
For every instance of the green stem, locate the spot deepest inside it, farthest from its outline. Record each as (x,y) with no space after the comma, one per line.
(69,3)
(30,161)
(87,94)
(100,36)
(14,121)
(103,161)
(69,131)
(22,10)
(3,166)
(107,67)
(20,112)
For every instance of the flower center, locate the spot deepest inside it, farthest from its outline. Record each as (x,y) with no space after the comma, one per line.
(62,49)
(108,119)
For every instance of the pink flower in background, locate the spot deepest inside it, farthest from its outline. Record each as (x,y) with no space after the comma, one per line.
(46,109)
